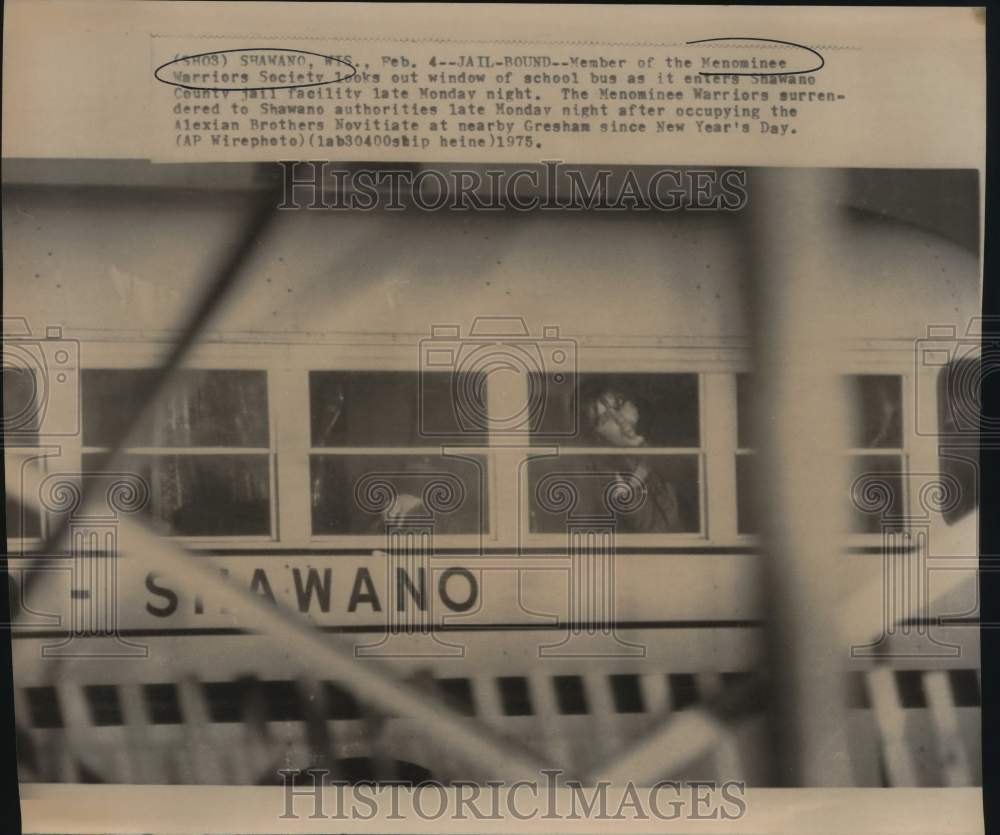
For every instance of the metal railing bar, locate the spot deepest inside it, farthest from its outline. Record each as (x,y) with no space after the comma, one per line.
(685,736)
(318,651)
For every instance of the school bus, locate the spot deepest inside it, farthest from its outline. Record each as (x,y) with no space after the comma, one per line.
(387,430)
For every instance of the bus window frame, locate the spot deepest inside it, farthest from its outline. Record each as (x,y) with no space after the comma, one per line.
(374,541)
(891,360)
(110,354)
(900,453)
(711,360)
(716,362)
(700,536)
(908,454)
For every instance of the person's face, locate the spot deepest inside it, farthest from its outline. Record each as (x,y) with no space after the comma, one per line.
(615,419)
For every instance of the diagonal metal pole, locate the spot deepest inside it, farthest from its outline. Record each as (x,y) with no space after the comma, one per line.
(500,758)
(480,744)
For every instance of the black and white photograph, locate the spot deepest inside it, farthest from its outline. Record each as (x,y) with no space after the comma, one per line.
(532,491)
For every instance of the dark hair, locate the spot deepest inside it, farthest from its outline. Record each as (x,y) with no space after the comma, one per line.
(591,397)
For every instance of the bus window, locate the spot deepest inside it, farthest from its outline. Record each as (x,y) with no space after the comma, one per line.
(878,415)
(878,482)
(877,452)
(397,408)
(358,493)
(877,424)
(635,456)
(369,459)
(204,409)
(204,454)
(22,405)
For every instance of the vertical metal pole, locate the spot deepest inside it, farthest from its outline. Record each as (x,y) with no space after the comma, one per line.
(797,293)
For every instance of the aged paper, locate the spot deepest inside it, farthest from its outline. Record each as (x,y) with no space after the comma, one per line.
(469,418)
